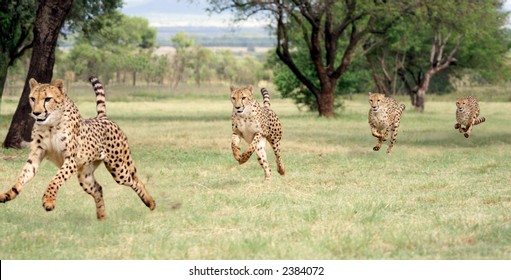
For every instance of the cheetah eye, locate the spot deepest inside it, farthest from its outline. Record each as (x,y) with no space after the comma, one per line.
(243,98)
(32,99)
(47,99)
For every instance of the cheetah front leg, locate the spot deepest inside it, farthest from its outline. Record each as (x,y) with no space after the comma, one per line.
(460,128)
(468,130)
(65,172)
(457,126)
(251,148)
(379,136)
(235,142)
(29,171)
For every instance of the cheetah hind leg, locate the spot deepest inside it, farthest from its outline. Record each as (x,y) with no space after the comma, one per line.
(393,137)
(275,144)
(262,159)
(125,174)
(93,188)
(468,129)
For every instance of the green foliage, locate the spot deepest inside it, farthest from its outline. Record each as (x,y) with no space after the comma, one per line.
(181,41)
(478,25)
(357,79)
(202,64)
(87,16)
(16,23)
(118,46)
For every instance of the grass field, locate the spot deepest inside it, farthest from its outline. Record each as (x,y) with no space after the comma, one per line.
(439,196)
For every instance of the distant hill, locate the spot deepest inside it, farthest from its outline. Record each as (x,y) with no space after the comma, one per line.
(249,37)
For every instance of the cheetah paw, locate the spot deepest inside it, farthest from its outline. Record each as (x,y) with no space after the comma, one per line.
(48,204)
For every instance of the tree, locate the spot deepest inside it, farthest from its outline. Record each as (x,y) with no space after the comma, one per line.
(201,57)
(431,38)
(16,24)
(325,29)
(357,79)
(115,48)
(17,19)
(181,42)
(49,20)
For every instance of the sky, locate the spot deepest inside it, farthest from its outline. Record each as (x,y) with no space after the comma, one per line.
(179,13)
(186,13)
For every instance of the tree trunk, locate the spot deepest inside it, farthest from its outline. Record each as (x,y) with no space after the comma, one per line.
(50,17)
(421,92)
(326,98)
(4,66)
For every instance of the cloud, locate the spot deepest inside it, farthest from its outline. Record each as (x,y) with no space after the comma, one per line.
(179,13)
(135,3)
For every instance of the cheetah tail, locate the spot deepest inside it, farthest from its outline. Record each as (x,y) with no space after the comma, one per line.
(266,98)
(100,97)
(401,108)
(479,120)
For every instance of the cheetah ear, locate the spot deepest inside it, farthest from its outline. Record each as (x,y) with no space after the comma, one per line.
(232,88)
(32,83)
(370,93)
(250,87)
(59,84)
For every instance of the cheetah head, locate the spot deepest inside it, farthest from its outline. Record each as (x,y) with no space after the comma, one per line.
(240,98)
(46,100)
(461,103)
(375,99)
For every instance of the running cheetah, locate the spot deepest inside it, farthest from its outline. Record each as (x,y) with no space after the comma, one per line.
(256,125)
(384,116)
(467,114)
(76,145)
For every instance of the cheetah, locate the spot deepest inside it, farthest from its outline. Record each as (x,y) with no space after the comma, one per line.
(76,146)
(384,117)
(467,114)
(256,125)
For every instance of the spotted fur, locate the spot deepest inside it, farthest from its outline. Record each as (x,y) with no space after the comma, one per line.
(256,125)
(467,113)
(384,117)
(76,145)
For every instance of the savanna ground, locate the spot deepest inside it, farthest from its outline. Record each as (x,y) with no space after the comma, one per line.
(439,196)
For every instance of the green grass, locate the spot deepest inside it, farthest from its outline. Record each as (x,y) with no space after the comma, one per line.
(439,196)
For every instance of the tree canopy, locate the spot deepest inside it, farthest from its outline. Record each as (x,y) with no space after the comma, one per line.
(17,19)
(319,40)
